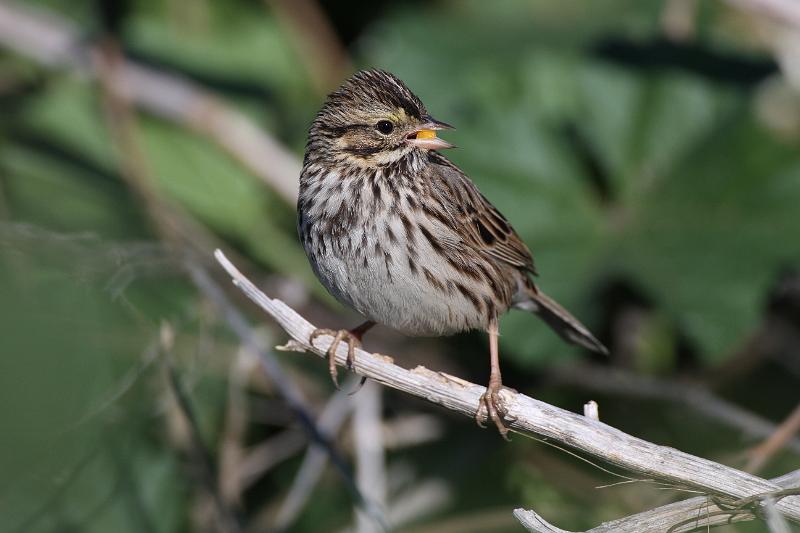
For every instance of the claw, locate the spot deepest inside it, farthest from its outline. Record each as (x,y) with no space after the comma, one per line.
(331,353)
(351,352)
(495,410)
(352,339)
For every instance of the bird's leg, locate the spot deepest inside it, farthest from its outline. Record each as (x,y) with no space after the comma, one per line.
(353,339)
(495,411)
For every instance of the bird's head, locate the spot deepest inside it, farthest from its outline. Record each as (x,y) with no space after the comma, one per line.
(373,119)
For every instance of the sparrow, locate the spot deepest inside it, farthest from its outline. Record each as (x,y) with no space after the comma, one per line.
(400,234)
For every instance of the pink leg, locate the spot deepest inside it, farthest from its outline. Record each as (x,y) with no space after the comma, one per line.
(491,398)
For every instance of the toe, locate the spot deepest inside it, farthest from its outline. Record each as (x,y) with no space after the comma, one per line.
(351,353)
(332,368)
(495,411)
(338,337)
(480,418)
(318,333)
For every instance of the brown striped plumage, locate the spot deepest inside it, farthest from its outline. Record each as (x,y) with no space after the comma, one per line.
(401,235)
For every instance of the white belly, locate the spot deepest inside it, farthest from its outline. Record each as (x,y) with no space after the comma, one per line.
(381,279)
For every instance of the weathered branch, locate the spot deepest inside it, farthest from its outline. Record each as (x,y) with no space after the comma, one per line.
(694,396)
(527,415)
(370,453)
(679,517)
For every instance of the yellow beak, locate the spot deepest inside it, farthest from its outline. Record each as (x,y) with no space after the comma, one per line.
(425,137)
(426,134)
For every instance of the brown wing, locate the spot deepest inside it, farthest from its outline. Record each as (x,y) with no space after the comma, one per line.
(479,223)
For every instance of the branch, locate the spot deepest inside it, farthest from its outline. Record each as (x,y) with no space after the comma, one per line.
(226,519)
(688,515)
(54,42)
(526,415)
(316,41)
(311,469)
(782,437)
(695,396)
(370,455)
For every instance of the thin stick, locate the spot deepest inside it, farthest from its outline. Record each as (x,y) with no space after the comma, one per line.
(694,396)
(315,39)
(313,465)
(370,457)
(227,519)
(782,436)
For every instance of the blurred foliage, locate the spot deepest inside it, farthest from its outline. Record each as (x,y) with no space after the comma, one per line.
(616,154)
(692,190)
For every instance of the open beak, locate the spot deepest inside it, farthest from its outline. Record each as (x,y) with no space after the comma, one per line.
(425,136)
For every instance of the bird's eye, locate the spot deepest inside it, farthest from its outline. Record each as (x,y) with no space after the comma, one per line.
(384,126)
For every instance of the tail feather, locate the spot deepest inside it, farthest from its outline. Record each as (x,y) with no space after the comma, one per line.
(561,321)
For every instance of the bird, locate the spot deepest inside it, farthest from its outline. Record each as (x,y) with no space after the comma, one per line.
(400,234)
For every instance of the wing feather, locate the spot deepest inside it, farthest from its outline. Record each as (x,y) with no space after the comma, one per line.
(474,218)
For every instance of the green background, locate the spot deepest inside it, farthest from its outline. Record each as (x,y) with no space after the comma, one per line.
(660,200)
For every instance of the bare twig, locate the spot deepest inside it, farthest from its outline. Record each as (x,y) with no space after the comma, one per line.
(268,453)
(310,471)
(694,514)
(121,124)
(227,521)
(411,430)
(423,498)
(591,410)
(368,441)
(233,438)
(492,519)
(177,229)
(528,415)
(54,42)
(775,521)
(319,47)
(533,522)
(779,438)
(695,396)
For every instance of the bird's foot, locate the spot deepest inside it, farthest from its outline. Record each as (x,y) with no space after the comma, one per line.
(353,340)
(496,410)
